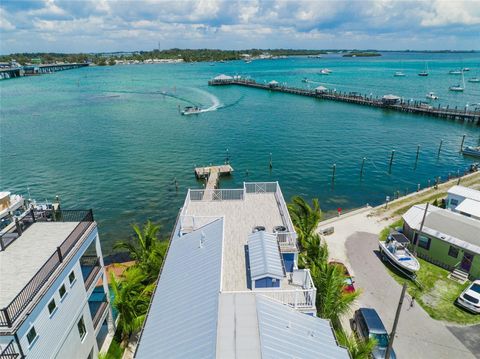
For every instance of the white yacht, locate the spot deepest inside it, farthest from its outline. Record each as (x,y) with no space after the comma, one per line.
(399,74)
(432,96)
(10,203)
(474,80)
(455,72)
(325,71)
(394,249)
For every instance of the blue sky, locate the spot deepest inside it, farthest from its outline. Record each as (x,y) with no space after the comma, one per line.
(119,25)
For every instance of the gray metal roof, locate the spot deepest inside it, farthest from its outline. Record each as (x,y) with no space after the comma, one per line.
(465,192)
(253,326)
(286,333)
(264,256)
(182,319)
(446,225)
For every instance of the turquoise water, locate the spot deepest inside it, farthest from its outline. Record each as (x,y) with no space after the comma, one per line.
(111,138)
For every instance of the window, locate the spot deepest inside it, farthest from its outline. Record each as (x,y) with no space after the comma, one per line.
(82,330)
(71,277)
(453,252)
(62,291)
(52,306)
(424,242)
(31,335)
(453,202)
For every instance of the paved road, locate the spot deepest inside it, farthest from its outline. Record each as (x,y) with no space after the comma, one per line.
(418,336)
(470,336)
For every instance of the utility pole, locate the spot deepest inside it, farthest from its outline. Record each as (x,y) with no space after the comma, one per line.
(397,316)
(421,229)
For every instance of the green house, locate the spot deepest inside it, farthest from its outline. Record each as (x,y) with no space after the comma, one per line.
(448,239)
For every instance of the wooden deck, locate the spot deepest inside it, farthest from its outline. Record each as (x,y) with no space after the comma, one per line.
(212,174)
(355,98)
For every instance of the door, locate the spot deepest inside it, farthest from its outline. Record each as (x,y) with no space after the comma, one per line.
(466,262)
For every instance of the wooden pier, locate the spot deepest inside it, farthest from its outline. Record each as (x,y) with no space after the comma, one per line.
(416,107)
(212,174)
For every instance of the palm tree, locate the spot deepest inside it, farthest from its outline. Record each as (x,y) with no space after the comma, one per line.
(314,251)
(131,300)
(358,349)
(332,301)
(146,249)
(305,218)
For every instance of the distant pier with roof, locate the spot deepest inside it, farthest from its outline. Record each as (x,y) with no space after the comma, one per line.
(390,102)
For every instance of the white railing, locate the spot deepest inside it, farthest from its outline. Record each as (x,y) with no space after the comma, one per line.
(282,207)
(260,187)
(286,241)
(303,278)
(295,298)
(188,223)
(216,194)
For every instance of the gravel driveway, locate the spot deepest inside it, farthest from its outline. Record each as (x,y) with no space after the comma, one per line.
(418,335)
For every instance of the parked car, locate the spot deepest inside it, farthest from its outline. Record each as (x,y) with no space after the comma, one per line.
(470,297)
(367,324)
(349,287)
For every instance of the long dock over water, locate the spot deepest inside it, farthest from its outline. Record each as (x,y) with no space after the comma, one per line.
(386,102)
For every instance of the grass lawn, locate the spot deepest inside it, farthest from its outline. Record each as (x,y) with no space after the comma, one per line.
(438,293)
(386,231)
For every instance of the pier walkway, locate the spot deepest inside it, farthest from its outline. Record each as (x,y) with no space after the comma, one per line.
(212,174)
(396,104)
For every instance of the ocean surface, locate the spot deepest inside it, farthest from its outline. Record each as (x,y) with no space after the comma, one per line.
(112,138)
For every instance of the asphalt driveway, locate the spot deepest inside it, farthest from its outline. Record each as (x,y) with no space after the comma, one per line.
(418,335)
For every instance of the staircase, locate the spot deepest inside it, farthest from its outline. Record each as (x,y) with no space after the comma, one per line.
(458,275)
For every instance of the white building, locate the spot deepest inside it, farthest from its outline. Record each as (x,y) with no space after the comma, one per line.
(464,200)
(54,295)
(230,286)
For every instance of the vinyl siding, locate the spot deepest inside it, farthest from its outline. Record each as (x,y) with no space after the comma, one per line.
(59,331)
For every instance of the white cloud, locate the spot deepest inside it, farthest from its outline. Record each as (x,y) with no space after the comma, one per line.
(108,25)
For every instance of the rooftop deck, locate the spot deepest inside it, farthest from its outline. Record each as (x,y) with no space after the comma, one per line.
(27,254)
(257,204)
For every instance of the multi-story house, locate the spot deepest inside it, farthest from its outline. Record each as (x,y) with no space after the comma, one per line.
(230,286)
(54,299)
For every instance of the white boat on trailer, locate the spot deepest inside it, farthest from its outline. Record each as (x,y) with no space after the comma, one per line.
(394,249)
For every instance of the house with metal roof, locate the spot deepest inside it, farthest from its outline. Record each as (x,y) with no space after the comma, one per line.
(464,200)
(448,239)
(212,299)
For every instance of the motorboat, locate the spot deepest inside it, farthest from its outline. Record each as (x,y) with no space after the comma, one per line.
(191,110)
(458,88)
(466,69)
(304,79)
(399,74)
(11,205)
(325,71)
(474,80)
(471,151)
(432,96)
(394,249)
(455,72)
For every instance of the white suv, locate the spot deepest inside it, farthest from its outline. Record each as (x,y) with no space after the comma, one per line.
(470,297)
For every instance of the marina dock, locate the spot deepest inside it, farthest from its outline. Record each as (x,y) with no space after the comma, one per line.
(212,174)
(387,102)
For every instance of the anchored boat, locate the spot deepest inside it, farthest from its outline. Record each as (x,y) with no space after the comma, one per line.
(471,151)
(394,249)
(399,74)
(432,96)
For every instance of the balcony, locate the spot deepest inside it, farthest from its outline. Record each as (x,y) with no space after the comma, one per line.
(9,352)
(90,266)
(11,312)
(98,305)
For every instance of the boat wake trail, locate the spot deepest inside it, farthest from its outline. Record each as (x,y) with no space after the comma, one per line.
(215,101)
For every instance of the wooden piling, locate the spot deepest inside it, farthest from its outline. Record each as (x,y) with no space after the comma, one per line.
(463,140)
(440,147)
(333,172)
(391,160)
(363,165)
